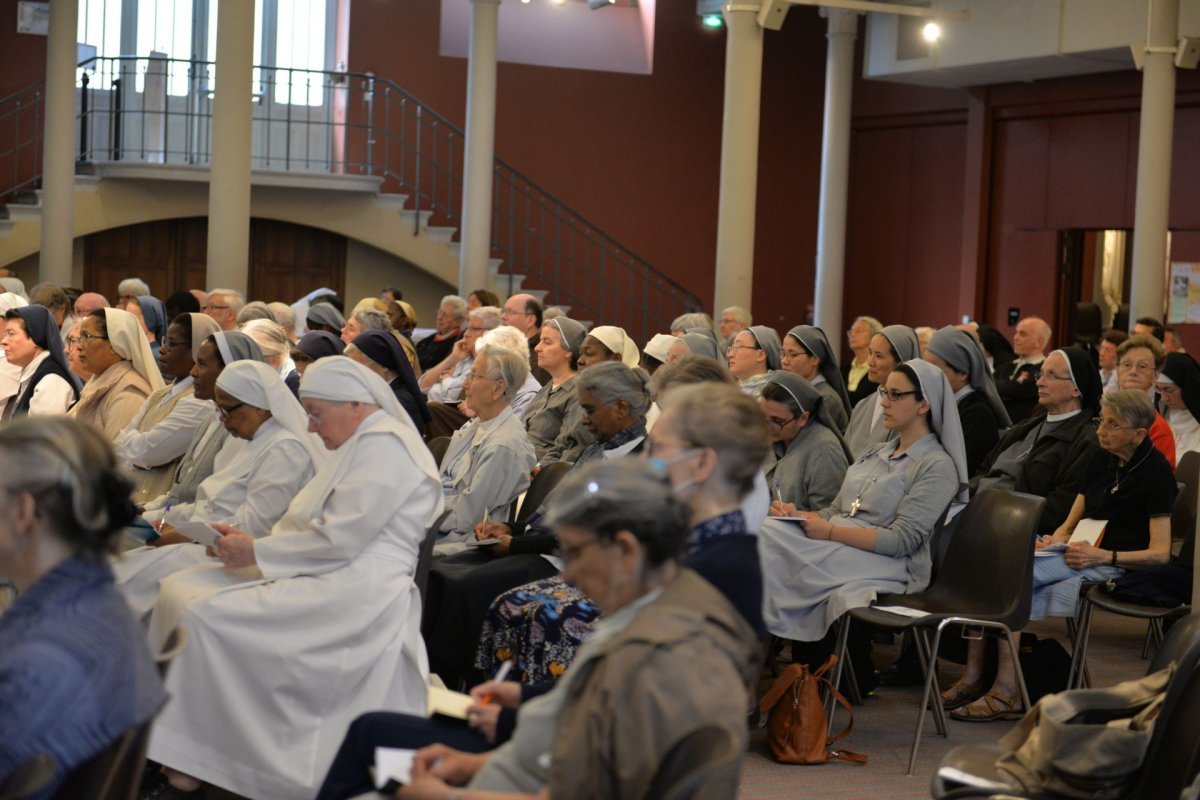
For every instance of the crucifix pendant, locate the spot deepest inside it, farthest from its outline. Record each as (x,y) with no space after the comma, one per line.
(1113,490)
(855,506)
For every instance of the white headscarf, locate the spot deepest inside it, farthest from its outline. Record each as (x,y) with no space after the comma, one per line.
(943,417)
(616,340)
(338,379)
(203,326)
(256,384)
(10,374)
(16,286)
(9,301)
(126,338)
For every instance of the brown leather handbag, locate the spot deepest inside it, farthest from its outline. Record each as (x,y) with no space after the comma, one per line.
(797,728)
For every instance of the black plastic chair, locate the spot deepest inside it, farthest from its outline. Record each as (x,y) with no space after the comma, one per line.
(29,779)
(425,555)
(540,487)
(114,774)
(1172,757)
(437,446)
(985,581)
(703,765)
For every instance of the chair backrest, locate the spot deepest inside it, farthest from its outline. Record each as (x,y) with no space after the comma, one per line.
(176,642)
(437,446)
(988,566)
(1087,328)
(1187,506)
(29,778)
(113,774)
(943,532)
(425,554)
(541,486)
(1173,755)
(703,764)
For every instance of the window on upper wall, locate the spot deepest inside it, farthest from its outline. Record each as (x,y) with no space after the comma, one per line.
(292,40)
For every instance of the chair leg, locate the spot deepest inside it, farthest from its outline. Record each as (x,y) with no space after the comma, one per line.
(930,668)
(1147,643)
(851,676)
(1016,657)
(1077,674)
(843,635)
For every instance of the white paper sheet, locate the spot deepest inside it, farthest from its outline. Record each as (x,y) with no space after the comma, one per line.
(393,762)
(198,532)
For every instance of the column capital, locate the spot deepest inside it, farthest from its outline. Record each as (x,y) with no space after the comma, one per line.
(743,5)
(842,22)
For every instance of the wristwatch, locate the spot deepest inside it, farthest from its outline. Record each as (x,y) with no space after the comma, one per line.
(1113,563)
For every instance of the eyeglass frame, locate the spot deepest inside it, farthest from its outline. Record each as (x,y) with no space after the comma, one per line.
(894,395)
(84,338)
(226,413)
(1100,422)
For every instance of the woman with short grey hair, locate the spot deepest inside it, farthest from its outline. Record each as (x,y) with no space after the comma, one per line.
(686,322)
(488,461)
(448,325)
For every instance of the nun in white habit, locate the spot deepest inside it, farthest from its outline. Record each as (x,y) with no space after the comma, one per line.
(296,634)
(251,492)
(874,538)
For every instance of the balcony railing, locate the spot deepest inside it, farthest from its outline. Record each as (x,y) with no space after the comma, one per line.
(159,110)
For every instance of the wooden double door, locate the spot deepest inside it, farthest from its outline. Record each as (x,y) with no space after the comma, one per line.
(287,261)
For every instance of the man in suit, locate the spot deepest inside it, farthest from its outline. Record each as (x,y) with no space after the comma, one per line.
(1018,389)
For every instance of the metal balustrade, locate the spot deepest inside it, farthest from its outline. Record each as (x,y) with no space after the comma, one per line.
(159,110)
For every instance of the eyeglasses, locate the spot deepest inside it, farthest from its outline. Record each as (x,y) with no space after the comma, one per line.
(1139,366)
(1108,425)
(167,343)
(1049,376)
(788,355)
(893,395)
(211,307)
(780,424)
(472,375)
(735,347)
(84,338)
(573,552)
(72,341)
(226,413)
(11,334)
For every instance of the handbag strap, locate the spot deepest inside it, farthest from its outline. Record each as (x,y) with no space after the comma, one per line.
(840,755)
(785,681)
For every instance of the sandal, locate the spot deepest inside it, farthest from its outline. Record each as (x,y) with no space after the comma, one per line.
(959,694)
(990,706)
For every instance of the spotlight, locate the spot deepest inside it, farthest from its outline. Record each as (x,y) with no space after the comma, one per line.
(932,32)
(713,21)
(595,4)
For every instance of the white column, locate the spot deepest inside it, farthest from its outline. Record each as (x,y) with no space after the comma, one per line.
(734,278)
(1147,288)
(835,172)
(479,148)
(232,126)
(58,158)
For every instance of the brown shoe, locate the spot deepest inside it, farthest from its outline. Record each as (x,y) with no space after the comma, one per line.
(992,705)
(959,694)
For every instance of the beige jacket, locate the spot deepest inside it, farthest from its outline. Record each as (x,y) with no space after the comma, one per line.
(686,661)
(110,400)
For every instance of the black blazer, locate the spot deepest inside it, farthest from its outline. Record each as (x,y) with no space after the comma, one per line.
(865,387)
(1019,392)
(1056,467)
(980,427)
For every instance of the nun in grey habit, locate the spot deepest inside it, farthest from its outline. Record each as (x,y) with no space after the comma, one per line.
(828,374)
(874,537)
(866,420)
(980,409)
(810,458)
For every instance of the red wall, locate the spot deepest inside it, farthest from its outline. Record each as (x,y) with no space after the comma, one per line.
(22,56)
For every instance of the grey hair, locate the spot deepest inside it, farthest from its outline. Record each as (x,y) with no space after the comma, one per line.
(551,312)
(456,305)
(70,471)
(610,381)
(269,336)
(233,298)
(606,497)
(133,286)
(1130,405)
(284,315)
(255,310)
(741,315)
(694,319)
(512,368)
(875,325)
(372,319)
(721,417)
(689,369)
(488,315)
(509,338)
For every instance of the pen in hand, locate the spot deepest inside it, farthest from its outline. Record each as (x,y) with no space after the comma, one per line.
(501,674)
(162,521)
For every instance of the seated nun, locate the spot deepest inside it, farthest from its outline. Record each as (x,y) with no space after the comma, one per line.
(887,350)
(211,446)
(154,441)
(753,355)
(10,374)
(151,315)
(810,458)
(46,386)
(695,343)
(1179,391)
(875,536)
(980,409)
(553,415)
(608,343)
(113,348)
(324,316)
(487,463)
(295,634)
(807,353)
(312,345)
(250,492)
(379,352)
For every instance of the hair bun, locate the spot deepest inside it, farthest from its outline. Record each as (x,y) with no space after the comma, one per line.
(118,492)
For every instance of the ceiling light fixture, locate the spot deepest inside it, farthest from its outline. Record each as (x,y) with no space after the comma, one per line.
(932,32)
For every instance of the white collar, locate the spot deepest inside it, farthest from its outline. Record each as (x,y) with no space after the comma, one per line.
(1061,417)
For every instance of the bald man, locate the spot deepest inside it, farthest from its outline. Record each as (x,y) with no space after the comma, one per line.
(88,302)
(1018,389)
(524,312)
